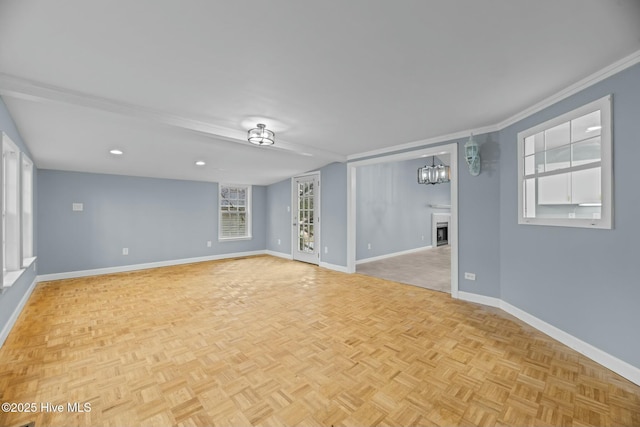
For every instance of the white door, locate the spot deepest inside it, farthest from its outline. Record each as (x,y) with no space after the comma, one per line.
(306,218)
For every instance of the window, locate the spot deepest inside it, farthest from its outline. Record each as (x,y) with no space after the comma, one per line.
(565,169)
(11,256)
(235,212)
(27,210)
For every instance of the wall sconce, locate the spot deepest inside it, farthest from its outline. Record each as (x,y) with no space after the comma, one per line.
(472,156)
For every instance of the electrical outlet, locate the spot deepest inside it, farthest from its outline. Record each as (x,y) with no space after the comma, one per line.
(369,246)
(208,243)
(572,215)
(423,238)
(326,249)
(288,208)
(278,241)
(125,251)
(77,207)
(470,276)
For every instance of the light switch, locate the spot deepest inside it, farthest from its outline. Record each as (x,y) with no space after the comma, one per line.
(77,207)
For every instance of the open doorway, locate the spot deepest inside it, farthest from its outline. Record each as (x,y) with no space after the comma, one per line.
(401,230)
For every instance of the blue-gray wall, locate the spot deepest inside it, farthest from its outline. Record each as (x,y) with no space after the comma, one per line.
(333,214)
(11,297)
(479,219)
(156,219)
(278,217)
(583,281)
(393,211)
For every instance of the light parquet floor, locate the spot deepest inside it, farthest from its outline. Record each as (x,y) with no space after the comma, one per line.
(266,341)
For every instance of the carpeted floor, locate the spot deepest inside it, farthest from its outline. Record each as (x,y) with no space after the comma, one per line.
(429,268)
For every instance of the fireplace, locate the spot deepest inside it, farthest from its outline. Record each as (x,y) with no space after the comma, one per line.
(440,229)
(442,233)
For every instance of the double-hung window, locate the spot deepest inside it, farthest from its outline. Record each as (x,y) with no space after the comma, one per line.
(234,212)
(565,169)
(11,244)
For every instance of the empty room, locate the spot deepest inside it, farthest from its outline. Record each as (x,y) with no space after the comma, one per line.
(332,213)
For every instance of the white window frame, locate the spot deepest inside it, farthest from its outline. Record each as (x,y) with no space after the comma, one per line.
(27,210)
(248,215)
(11,212)
(606,143)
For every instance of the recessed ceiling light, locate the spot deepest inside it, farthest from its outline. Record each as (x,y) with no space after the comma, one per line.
(200,163)
(116,152)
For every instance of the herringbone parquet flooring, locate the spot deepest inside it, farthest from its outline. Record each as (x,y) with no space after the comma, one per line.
(265,341)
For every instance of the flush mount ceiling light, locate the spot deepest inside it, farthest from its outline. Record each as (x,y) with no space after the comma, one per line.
(200,163)
(261,135)
(116,152)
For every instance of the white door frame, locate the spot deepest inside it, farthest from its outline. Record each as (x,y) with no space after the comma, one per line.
(452,150)
(316,213)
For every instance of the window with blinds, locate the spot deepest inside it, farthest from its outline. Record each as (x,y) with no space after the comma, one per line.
(234,212)
(564,167)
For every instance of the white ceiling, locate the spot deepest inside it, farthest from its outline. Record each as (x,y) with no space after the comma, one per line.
(171,82)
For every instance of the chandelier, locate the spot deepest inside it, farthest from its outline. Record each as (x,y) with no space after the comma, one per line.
(434,174)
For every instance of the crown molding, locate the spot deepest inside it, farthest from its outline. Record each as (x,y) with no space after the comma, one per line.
(421,143)
(598,76)
(17,87)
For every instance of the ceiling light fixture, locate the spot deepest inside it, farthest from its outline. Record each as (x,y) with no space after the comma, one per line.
(261,135)
(200,163)
(117,152)
(434,174)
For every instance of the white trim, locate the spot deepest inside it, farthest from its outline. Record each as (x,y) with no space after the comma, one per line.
(452,150)
(598,76)
(606,165)
(628,371)
(394,254)
(317,224)
(588,81)
(423,142)
(479,299)
(279,254)
(334,267)
(135,267)
(16,312)
(618,366)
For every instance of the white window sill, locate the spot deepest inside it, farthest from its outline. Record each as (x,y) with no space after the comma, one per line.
(232,239)
(10,277)
(26,263)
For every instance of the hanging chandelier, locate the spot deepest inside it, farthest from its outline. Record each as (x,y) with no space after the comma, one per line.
(261,135)
(434,174)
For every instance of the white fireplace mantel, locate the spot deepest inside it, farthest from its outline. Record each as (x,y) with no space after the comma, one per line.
(435,219)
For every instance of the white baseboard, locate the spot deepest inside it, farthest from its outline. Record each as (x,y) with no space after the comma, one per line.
(134,267)
(628,371)
(279,254)
(335,267)
(479,299)
(618,366)
(391,255)
(16,312)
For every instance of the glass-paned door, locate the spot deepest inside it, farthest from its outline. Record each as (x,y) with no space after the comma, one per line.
(306,219)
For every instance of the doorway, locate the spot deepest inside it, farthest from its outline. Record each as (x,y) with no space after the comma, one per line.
(306,218)
(452,228)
